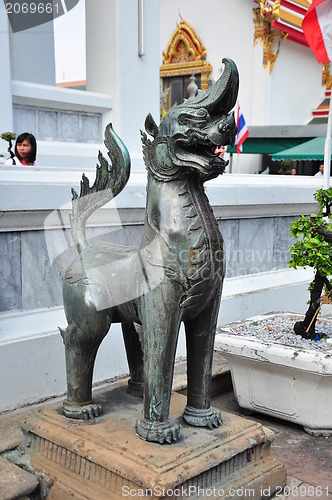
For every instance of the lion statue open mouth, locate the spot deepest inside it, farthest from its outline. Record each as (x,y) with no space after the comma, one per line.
(175,275)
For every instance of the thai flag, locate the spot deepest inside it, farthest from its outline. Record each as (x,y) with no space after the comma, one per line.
(242,132)
(317,29)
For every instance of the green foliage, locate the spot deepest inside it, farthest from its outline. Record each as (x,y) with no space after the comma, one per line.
(324,198)
(287,162)
(8,136)
(312,249)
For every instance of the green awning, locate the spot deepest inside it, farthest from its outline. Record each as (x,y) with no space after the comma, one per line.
(268,145)
(309,150)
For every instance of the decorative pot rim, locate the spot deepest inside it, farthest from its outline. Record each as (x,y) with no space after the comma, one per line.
(232,343)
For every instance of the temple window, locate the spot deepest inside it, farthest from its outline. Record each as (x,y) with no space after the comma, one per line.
(185,56)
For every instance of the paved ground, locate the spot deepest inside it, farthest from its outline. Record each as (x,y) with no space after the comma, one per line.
(308,459)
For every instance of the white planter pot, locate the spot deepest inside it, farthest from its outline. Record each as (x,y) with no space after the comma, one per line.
(290,383)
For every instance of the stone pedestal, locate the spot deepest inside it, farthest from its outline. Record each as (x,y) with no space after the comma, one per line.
(106,459)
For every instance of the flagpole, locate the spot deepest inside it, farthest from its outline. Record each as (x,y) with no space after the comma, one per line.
(327,150)
(317,30)
(230,162)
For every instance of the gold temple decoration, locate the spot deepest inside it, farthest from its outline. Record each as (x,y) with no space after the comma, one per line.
(269,36)
(185,55)
(326,76)
(269,11)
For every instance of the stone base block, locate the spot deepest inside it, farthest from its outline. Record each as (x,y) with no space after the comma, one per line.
(106,459)
(15,482)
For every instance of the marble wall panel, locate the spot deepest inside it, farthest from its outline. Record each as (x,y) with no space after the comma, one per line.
(60,251)
(24,120)
(33,263)
(230,231)
(57,125)
(91,128)
(48,125)
(46,256)
(41,279)
(282,241)
(125,235)
(255,252)
(10,271)
(69,127)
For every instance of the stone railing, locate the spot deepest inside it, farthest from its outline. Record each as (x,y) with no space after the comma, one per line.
(68,124)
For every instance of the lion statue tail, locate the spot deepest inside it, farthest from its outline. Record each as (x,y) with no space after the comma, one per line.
(110,181)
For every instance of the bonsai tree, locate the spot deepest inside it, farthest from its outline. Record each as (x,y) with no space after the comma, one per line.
(314,249)
(9,137)
(286,166)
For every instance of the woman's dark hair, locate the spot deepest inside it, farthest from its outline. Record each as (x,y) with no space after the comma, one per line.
(31,138)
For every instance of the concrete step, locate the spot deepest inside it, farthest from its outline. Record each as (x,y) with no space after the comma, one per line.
(283,290)
(15,483)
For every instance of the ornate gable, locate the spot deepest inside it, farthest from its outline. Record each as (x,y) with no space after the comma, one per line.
(185,55)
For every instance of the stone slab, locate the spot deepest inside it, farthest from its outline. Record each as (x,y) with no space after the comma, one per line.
(10,433)
(106,459)
(15,482)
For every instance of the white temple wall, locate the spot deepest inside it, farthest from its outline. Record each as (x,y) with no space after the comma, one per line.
(33,55)
(226,29)
(6,115)
(296,85)
(114,67)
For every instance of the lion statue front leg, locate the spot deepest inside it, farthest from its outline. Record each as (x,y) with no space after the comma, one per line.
(161,316)
(200,333)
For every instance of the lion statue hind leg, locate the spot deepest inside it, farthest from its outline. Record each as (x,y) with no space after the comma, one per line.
(86,329)
(131,336)
(200,333)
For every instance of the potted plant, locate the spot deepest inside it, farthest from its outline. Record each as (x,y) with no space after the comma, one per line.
(278,373)
(9,137)
(314,249)
(277,366)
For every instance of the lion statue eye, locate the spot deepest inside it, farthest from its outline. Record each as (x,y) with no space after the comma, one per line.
(224,128)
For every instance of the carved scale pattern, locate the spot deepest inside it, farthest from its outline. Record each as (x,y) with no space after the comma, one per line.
(204,238)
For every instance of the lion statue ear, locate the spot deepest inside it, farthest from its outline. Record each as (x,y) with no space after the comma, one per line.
(151,126)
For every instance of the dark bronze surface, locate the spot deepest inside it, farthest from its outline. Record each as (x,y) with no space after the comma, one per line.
(175,275)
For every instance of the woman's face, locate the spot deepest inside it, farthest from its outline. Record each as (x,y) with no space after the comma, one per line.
(23,149)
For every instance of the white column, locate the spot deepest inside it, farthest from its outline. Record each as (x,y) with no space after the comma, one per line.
(261,89)
(114,66)
(33,58)
(6,114)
